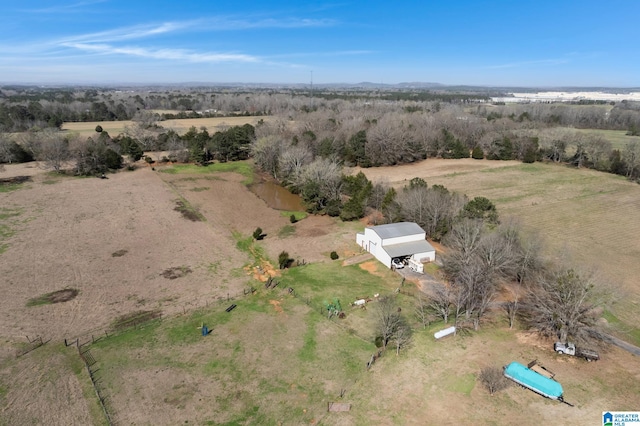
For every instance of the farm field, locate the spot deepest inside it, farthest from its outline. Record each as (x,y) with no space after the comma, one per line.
(618,138)
(592,217)
(274,359)
(86,129)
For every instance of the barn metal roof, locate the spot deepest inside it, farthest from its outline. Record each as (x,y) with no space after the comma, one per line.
(399,229)
(408,249)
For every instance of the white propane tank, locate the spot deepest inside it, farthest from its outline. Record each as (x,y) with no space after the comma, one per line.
(442,333)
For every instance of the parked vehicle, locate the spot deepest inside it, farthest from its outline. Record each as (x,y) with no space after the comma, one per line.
(397,263)
(533,381)
(571,349)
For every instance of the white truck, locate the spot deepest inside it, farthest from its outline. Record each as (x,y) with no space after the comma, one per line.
(571,349)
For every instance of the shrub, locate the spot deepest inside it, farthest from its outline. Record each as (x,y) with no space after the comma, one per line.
(99,128)
(334,255)
(283,259)
(257,234)
(292,218)
(113,160)
(493,379)
(477,153)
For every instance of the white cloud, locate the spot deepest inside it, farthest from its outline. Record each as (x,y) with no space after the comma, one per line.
(198,25)
(164,54)
(127,33)
(66,8)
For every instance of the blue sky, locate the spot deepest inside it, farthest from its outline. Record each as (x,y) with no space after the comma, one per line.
(474,42)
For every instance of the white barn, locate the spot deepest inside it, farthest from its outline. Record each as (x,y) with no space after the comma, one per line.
(404,240)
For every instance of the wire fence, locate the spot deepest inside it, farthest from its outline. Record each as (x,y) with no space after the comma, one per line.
(146,318)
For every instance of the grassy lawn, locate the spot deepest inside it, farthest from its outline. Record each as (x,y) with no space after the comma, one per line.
(8,224)
(242,167)
(277,359)
(271,359)
(592,218)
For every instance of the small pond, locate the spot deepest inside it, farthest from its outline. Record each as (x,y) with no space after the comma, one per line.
(277,197)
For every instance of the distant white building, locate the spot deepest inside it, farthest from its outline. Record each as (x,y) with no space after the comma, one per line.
(405,241)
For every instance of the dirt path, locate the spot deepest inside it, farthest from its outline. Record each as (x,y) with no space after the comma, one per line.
(357,259)
(624,345)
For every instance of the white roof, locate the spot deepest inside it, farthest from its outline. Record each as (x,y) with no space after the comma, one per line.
(399,229)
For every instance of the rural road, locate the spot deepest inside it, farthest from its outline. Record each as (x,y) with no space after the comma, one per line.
(624,345)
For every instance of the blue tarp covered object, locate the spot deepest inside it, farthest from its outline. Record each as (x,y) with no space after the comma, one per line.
(534,381)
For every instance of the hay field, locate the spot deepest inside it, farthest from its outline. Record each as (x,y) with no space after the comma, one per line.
(86,129)
(594,217)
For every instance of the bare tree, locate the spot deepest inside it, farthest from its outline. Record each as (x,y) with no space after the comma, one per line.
(51,147)
(402,335)
(473,264)
(474,281)
(631,156)
(7,154)
(441,300)
(422,309)
(493,379)
(177,147)
(432,208)
(292,161)
(388,319)
(511,307)
(566,304)
(528,257)
(266,153)
(598,150)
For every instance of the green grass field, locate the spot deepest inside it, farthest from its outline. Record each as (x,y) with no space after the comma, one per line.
(271,359)
(242,167)
(618,138)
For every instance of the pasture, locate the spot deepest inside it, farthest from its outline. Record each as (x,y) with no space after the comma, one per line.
(180,126)
(588,217)
(275,358)
(618,138)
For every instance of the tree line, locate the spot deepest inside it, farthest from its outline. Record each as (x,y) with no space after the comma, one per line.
(102,152)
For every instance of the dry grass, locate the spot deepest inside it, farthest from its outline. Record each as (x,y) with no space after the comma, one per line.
(592,218)
(181,126)
(273,359)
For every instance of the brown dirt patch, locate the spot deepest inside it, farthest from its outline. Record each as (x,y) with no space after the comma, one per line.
(187,213)
(373,267)
(14,179)
(534,339)
(276,306)
(63,295)
(370,266)
(176,272)
(59,296)
(71,231)
(134,318)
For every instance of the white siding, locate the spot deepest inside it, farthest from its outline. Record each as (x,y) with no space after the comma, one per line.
(429,256)
(371,241)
